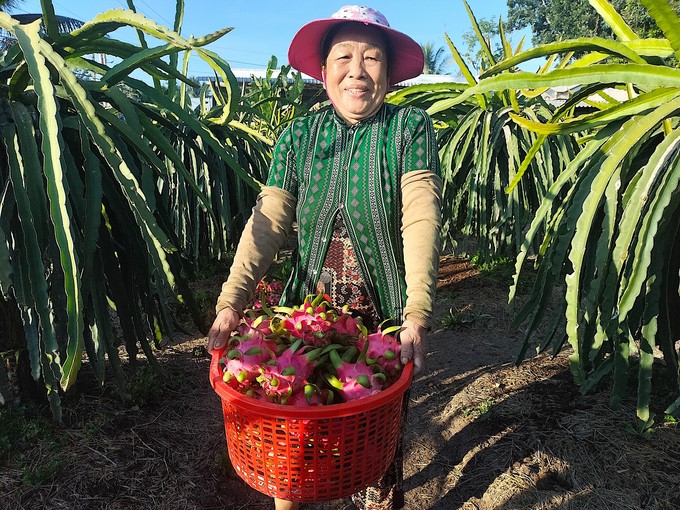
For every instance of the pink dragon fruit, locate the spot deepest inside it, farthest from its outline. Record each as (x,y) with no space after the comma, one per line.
(310,322)
(276,289)
(255,392)
(311,396)
(267,294)
(261,362)
(244,357)
(348,325)
(258,325)
(354,380)
(286,375)
(383,349)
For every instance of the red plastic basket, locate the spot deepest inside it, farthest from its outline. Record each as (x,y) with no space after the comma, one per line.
(311,453)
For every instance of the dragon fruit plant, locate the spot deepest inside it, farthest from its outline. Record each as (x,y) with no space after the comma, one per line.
(309,355)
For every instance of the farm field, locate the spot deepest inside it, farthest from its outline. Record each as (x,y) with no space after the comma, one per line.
(124,188)
(481,433)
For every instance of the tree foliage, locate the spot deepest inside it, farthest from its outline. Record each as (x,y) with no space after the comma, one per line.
(436,59)
(8,5)
(474,51)
(554,20)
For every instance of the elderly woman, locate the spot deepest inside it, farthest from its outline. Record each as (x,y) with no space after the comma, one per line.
(361,179)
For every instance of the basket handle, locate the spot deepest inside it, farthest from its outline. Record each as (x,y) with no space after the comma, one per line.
(216,355)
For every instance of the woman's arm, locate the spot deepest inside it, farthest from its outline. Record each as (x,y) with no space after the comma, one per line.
(421,226)
(265,232)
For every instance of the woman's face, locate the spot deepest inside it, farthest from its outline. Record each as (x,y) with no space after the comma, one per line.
(355,74)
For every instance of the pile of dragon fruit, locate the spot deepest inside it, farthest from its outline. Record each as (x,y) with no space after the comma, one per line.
(309,355)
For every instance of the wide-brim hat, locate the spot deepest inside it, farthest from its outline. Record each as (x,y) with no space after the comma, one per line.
(305,50)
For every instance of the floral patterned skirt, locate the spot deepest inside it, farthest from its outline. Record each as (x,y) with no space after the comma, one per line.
(341,278)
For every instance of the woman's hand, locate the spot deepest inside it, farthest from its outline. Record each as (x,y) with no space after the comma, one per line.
(226,321)
(412,338)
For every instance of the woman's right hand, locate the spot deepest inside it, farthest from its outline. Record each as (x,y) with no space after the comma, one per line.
(226,321)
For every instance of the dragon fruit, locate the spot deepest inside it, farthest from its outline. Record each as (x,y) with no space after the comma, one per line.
(287,374)
(348,325)
(267,294)
(311,396)
(244,357)
(354,380)
(309,355)
(310,322)
(383,348)
(260,325)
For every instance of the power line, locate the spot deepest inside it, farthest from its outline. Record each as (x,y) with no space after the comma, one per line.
(245,63)
(227,48)
(124,5)
(169,24)
(62,8)
(209,70)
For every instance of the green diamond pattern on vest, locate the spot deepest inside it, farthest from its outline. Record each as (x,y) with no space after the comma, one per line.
(354,171)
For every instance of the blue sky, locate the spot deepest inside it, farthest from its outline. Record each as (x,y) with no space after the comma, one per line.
(264,27)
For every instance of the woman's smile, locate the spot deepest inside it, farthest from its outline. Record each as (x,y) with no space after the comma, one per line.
(355,74)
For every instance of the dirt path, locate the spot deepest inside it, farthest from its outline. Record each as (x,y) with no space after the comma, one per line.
(482,433)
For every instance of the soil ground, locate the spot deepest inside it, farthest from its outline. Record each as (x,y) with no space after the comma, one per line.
(481,433)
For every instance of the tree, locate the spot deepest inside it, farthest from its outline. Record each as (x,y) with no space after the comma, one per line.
(640,20)
(436,60)
(9,5)
(64,23)
(548,21)
(474,52)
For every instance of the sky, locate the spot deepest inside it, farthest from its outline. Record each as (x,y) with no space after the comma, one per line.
(262,28)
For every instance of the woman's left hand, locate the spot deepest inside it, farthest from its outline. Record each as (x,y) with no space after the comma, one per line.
(412,338)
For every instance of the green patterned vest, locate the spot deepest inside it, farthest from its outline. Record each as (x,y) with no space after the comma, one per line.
(354,171)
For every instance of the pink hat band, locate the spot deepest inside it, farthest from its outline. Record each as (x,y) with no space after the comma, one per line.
(305,49)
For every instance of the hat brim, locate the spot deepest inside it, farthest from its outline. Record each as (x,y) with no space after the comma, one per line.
(304,53)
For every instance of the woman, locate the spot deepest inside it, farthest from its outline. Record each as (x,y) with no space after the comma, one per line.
(362,181)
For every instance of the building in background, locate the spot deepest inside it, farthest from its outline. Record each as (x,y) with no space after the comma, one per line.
(313,92)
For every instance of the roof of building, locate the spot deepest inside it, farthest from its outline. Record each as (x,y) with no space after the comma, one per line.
(560,94)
